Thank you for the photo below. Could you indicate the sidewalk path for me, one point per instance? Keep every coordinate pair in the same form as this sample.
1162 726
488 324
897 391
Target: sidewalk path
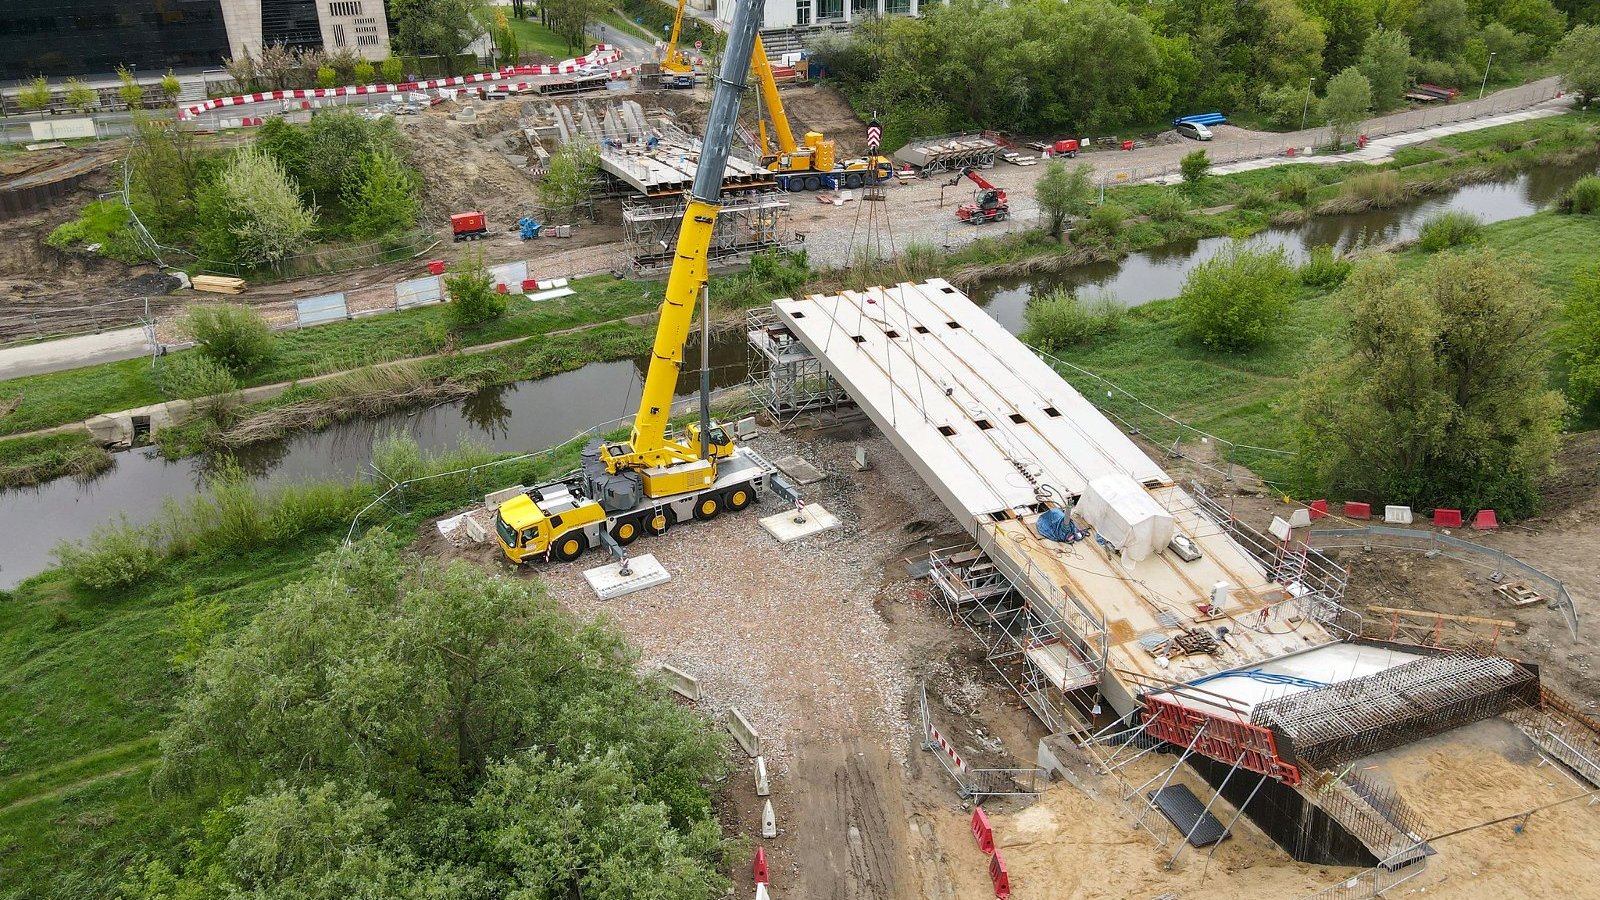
72 353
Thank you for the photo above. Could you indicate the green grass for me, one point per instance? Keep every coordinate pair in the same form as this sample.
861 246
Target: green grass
72 396
535 38
1517 133
615 19
38 459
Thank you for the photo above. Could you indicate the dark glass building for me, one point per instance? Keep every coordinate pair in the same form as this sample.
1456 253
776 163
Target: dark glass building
78 37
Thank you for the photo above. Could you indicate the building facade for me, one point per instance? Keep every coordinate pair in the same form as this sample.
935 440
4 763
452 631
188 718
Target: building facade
808 13
94 37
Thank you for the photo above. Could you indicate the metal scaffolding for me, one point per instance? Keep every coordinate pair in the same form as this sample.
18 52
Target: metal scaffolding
1351 719
785 378
746 224
1026 643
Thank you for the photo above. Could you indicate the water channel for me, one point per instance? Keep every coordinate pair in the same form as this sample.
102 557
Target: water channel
533 414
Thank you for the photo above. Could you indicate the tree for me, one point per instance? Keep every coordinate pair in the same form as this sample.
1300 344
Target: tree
1288 106
244 72
471 289
165 175
440 28
1064 194
1232 300
1577 58
569 179
364 73
1538 19
1384 61
384 199
569 18
1442 399
1195 165
131 91
290 145
171 87
35 95
231 335
393 70
1580 337
1346 104
81 96
1348 25
253 214
1439 28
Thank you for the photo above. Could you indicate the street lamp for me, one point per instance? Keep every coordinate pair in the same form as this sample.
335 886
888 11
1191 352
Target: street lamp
1485 85
1307 105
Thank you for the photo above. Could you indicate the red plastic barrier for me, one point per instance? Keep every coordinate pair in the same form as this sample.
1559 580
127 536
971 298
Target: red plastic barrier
981 832
998 875
1447 518
1290 152
1319 509
435 267
1127 145
1354 510
1485 520
529 285
501 288
761 866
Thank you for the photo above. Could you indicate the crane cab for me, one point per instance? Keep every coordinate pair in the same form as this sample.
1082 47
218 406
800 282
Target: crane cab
550 520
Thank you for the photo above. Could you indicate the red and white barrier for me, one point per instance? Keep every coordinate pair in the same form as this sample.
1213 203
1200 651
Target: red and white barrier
981 832
759 869
938 739
601 55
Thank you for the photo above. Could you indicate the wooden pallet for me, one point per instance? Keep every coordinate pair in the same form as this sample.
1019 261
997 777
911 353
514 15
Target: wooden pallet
1519 595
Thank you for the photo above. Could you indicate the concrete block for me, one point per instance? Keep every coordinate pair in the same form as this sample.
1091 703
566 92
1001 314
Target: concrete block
761 892
492 501
744 732
860 461
1300 518
608 582
769 821
1397 515
475 531
763 784
783 526
682 683
799 470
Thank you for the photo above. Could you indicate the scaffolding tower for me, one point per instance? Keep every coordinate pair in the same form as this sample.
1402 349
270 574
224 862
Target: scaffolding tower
1028 644
746 224
785 378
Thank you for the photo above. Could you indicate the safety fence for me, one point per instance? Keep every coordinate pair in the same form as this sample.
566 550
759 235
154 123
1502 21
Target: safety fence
1308 141
972 782
1501 565
1373 882
31 325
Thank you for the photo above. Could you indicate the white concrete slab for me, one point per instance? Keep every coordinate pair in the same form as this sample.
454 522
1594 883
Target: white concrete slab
799 470
784 527
608 582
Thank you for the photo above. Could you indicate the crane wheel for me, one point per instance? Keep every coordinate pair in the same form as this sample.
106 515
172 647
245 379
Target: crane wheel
625 532
707 507
570 546
852 180
739 497
660 521
813 183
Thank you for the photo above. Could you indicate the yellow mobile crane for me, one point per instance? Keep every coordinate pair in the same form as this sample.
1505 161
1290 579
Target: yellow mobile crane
812 166
652 481
675 62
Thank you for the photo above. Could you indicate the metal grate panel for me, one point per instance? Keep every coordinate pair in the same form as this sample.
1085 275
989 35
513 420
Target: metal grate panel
1185 811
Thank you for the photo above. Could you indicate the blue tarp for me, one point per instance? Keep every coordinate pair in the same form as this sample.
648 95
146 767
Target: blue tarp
1054 525
1202 119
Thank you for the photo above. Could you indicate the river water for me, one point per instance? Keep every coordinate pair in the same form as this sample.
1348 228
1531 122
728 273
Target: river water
534 414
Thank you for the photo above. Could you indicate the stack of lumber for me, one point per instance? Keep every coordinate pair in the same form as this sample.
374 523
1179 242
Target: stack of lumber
217 284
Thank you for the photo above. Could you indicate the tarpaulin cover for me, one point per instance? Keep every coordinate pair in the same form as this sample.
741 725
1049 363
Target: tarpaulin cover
1125 514
1053 525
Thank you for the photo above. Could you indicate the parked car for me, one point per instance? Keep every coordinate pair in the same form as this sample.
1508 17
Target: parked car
590 69
1194 131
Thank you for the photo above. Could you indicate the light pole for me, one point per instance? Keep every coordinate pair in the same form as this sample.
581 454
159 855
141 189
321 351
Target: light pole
1485 85
1307 105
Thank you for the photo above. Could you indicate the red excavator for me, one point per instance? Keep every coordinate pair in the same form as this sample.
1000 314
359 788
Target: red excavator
988 205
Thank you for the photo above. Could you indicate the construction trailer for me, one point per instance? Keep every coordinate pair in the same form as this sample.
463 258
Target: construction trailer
1161 620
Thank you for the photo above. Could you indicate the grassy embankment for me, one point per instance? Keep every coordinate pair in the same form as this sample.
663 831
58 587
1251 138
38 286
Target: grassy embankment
1241 204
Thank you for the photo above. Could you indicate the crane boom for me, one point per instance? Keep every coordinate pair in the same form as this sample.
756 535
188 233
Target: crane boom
977 179
649 446
771 99
674 60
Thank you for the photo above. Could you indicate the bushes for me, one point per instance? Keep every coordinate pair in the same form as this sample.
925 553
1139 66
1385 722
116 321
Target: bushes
1060 319
1195 165
117 555
232 335
193 376
1583 197
104 223
1104 223
1324 268
1379 189
1449 229
1230 302
1296 186
1169 207
1254 198
473 298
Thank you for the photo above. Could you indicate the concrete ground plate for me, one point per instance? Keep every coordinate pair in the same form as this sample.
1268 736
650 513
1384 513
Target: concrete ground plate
798 469
609 583
783 526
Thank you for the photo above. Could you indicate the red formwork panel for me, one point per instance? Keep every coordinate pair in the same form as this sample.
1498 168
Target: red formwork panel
1226 739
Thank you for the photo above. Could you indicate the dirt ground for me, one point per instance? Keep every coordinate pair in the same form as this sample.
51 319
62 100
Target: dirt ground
824 645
